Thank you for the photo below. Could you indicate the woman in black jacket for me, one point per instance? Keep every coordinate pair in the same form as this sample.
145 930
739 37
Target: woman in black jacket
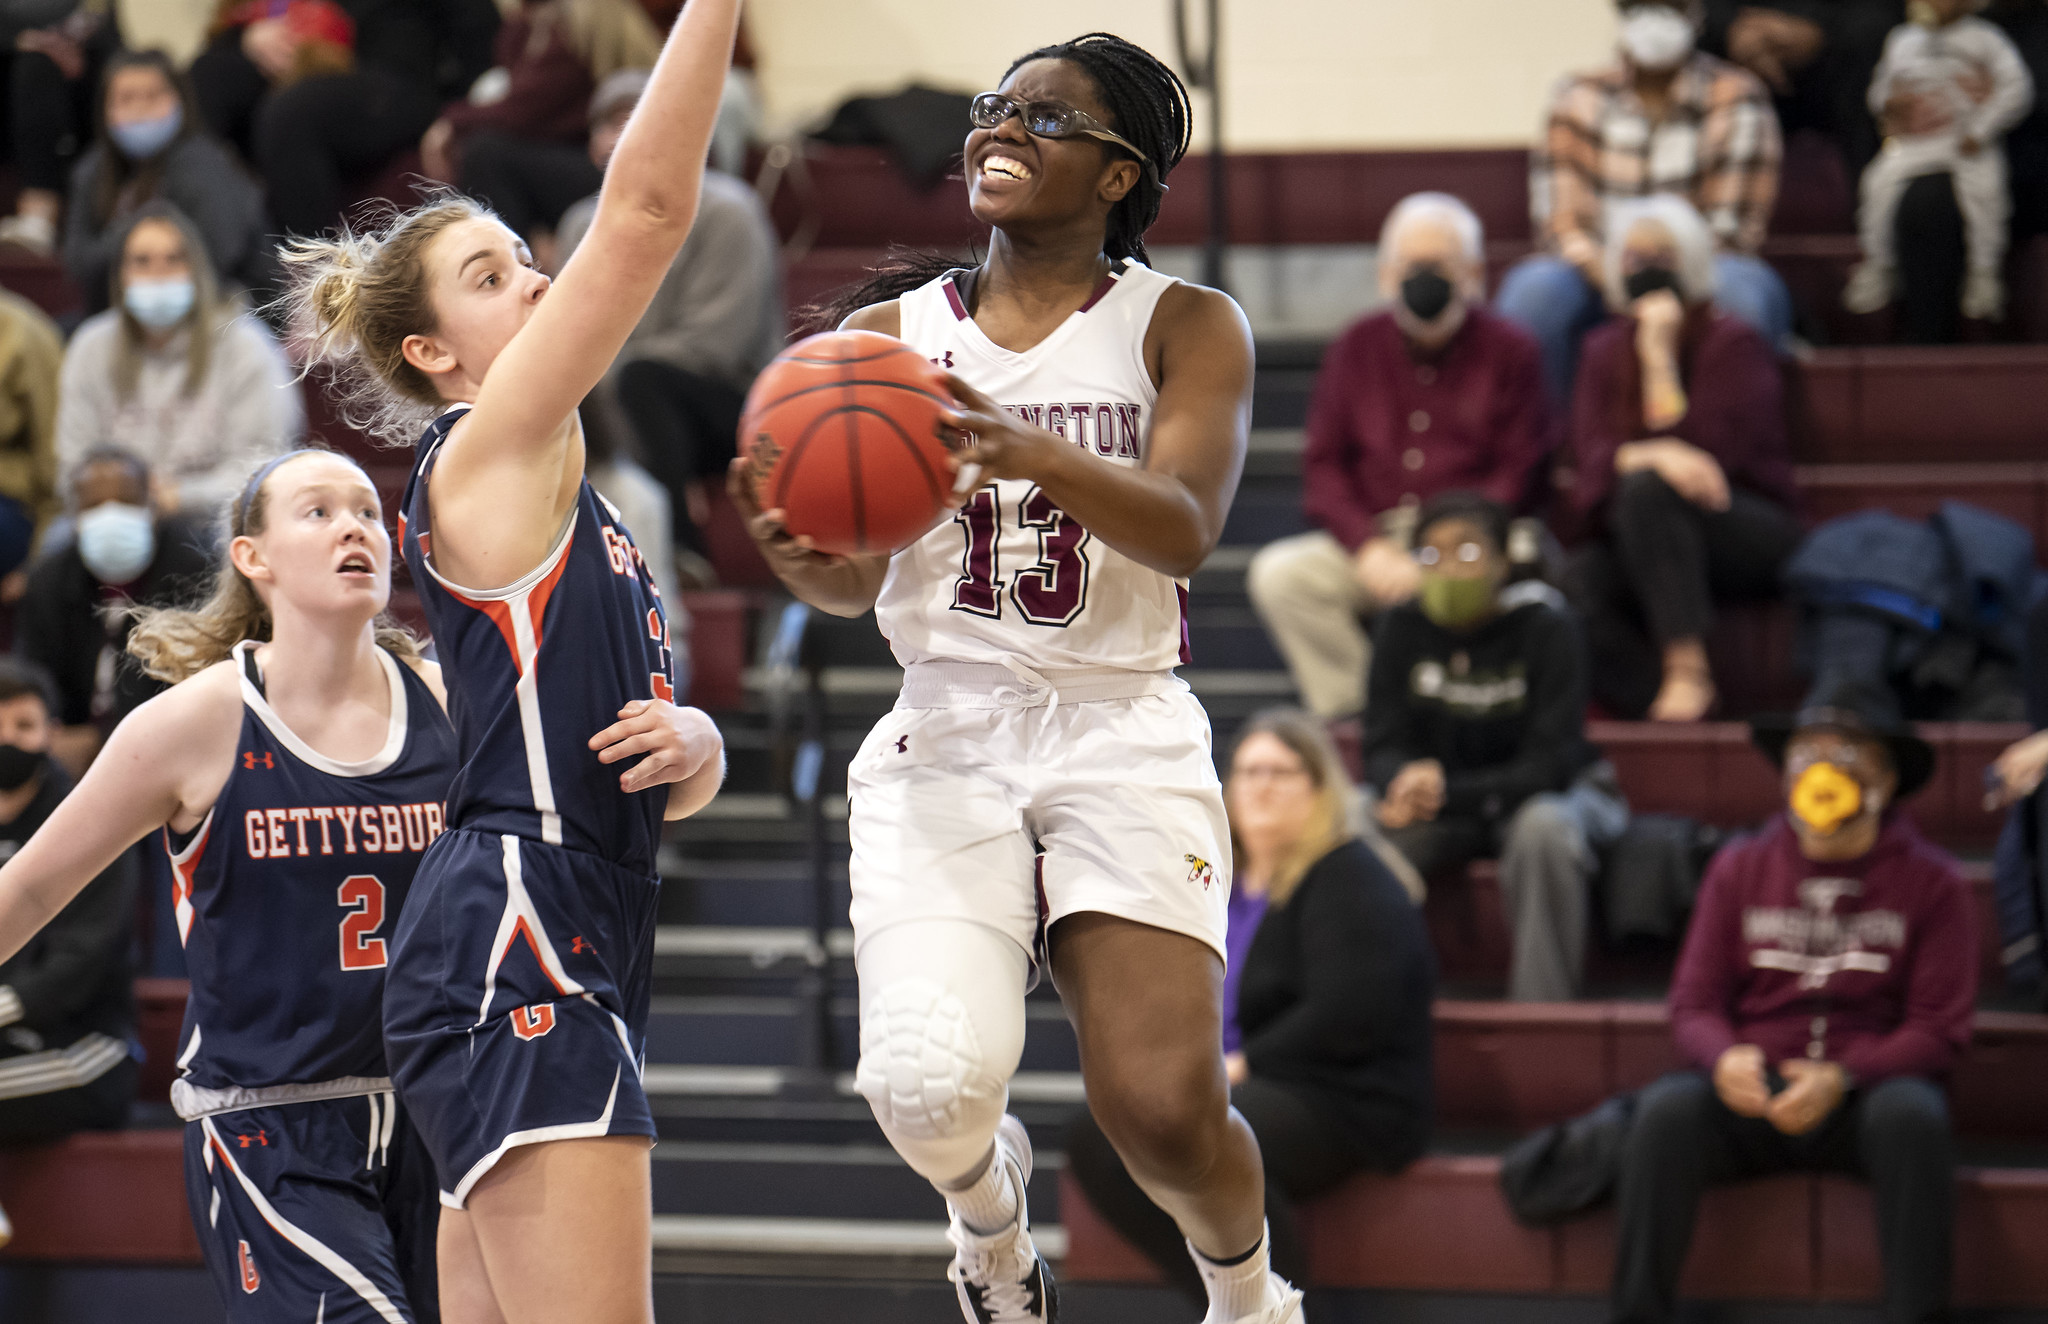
1326 1002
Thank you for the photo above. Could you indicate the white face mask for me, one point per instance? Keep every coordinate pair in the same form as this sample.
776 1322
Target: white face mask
117 541
1656 37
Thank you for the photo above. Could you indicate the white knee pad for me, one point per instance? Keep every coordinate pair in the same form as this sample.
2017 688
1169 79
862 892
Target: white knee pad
922 1068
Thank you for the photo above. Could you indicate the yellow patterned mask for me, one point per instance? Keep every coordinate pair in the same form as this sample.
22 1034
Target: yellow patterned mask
1825 797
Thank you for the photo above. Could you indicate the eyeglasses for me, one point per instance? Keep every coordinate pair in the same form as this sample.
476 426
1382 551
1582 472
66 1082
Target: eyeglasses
1053 119
1471 553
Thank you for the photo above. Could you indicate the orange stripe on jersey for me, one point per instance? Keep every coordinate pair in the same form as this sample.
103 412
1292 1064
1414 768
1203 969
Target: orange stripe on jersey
533 944
538 596
184 872
501 616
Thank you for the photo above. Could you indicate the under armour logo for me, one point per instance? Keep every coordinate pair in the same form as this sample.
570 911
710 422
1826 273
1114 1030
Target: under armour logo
903 744
260 1138
250 761
946 360
579 945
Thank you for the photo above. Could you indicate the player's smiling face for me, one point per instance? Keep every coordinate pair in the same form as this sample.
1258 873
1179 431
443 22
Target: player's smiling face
485 287
323 546
1016 178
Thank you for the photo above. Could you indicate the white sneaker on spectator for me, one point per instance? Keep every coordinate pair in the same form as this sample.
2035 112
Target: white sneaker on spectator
34 234
1870 288
1984 296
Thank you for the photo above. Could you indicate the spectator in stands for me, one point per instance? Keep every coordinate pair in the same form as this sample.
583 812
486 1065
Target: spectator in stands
151 145
1326 1002
1949 87
1681 464
177 374
122 554
323 93
1825 989
520 142
66 1005
1665 119
31 355
1475 740
1436 393
56 50
716 321
1816 56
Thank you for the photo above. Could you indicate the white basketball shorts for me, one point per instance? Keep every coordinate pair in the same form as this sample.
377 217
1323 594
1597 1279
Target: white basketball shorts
1013 803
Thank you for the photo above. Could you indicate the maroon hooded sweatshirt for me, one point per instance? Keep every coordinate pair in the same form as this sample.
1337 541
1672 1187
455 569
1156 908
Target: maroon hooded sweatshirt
1870 963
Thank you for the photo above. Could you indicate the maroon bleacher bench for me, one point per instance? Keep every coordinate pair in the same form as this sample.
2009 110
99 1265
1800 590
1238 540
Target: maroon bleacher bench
1442 1226
113 1197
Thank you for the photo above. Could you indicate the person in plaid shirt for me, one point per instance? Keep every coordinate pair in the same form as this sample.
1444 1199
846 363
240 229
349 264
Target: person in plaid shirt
1667 118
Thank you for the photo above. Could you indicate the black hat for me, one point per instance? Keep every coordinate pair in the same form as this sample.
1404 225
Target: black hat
1854 707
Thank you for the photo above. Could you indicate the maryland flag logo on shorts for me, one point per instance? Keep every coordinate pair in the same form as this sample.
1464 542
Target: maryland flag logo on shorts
1200 871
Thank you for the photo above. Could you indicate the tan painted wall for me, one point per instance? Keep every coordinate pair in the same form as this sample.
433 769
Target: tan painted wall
1298 73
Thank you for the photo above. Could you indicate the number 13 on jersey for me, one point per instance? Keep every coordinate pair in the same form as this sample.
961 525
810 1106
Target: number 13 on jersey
1052 591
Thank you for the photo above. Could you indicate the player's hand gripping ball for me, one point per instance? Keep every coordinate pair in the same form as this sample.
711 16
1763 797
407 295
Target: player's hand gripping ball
843 433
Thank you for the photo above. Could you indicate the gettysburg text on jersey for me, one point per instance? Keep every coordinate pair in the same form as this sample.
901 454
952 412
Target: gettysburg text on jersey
278 834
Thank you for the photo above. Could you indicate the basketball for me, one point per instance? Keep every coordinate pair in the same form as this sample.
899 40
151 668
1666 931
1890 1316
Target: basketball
842 433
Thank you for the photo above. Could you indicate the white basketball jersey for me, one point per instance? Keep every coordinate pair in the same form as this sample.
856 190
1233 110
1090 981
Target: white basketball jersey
1010 576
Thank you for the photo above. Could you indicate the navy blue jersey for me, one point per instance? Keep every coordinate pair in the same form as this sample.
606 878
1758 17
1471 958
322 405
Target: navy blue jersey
287 895
535 670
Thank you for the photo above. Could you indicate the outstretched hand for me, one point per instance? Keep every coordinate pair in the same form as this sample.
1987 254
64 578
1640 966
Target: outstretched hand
1000 444
678 743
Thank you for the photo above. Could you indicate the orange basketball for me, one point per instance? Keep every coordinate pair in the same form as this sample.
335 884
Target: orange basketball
842 433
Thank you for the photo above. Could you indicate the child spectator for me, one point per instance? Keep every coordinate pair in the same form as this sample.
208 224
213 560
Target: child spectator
31 355
1666 118
55 50
1326 1002
176 374
1948 88
1475 740
1680 464
519 141
316 92
151 145
1437 392
66 1002
714 323
122 554
1825 990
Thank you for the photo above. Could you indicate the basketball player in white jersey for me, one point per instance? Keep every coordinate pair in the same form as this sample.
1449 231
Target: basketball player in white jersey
1045 777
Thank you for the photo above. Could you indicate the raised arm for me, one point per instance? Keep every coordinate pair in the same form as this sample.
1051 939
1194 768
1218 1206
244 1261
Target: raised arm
515 460
165 764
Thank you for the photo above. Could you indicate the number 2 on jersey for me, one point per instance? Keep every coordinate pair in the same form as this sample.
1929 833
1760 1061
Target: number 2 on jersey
362 895
1051 592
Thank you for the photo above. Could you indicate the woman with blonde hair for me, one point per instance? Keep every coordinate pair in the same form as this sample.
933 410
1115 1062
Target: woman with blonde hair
176 373
1326 1001
297 767
516 1010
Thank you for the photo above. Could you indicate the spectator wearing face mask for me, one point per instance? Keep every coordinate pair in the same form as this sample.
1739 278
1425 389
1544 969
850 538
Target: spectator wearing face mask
151 147
1680 464
1665 119
121 554
1432 394
715 322
66 1005
1475 740
1824 993
31 355
176 374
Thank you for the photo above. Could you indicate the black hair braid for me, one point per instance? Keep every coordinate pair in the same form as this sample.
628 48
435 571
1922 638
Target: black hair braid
1147 104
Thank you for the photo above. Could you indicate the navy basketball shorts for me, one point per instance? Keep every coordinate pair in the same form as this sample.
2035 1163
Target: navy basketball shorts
324 1210
515 1004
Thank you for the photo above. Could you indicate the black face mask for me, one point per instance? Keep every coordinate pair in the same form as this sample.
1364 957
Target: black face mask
1427 292
1649 280
17 765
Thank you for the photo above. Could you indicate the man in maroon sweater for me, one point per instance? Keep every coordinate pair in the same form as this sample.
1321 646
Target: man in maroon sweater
1824 992
1435 394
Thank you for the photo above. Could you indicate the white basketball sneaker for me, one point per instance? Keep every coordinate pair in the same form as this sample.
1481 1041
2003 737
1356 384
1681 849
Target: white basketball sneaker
1001 1278
1289 1310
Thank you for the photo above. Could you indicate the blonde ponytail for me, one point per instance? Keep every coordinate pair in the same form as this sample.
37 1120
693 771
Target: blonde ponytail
175 643
351 301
